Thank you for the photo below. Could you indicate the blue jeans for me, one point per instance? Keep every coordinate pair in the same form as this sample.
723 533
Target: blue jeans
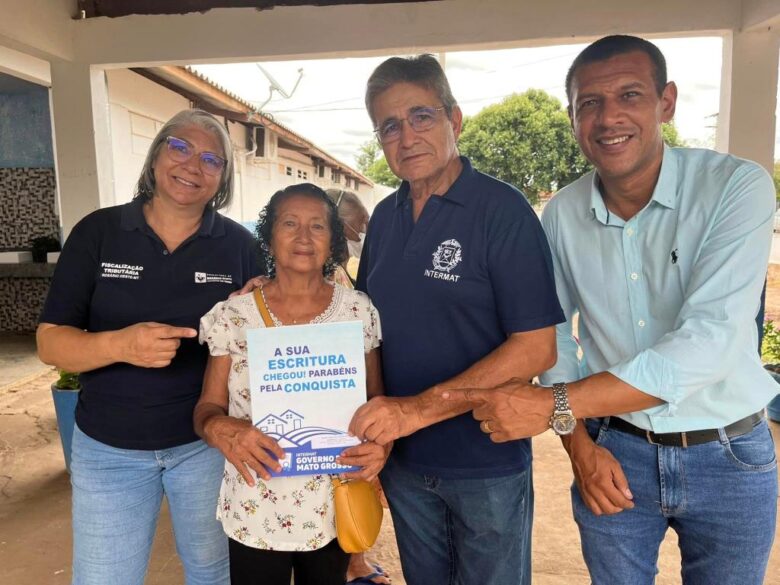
720 497
116 501
461 531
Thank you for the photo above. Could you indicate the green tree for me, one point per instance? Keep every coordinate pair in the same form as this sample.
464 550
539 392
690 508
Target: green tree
671 136
777 179
525 140
371 162
368 153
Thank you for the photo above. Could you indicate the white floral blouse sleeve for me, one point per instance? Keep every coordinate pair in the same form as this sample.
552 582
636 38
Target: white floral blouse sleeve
372 327
376 326
215 330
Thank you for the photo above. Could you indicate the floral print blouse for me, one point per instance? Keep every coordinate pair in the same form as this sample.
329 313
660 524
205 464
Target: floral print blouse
284 513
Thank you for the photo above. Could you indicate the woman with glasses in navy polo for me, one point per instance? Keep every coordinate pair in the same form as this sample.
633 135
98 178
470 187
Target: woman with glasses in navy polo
129 289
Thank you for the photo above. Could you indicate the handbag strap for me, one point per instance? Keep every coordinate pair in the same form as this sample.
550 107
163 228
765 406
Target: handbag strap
262 307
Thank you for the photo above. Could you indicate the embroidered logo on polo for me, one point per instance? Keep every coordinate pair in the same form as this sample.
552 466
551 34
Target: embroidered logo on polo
120 271
446 257
205 277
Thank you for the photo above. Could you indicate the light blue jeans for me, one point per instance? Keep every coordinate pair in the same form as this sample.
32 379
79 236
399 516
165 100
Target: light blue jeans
461 531
116 501
720 497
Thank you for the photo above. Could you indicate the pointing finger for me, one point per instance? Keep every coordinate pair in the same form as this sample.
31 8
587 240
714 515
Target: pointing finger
170 332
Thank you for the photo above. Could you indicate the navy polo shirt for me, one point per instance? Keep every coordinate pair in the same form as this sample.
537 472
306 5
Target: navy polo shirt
450 288
114 272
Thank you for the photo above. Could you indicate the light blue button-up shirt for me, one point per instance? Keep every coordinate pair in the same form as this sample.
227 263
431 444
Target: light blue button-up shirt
667 300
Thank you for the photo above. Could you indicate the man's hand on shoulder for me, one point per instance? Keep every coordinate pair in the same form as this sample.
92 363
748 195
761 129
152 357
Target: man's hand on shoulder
250 286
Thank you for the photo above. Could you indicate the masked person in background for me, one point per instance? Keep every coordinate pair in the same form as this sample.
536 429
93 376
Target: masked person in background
355 216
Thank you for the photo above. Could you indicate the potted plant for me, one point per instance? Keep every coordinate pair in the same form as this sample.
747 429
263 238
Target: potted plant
42 245
65 392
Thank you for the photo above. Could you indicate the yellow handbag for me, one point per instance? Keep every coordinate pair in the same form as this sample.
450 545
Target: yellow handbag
358 514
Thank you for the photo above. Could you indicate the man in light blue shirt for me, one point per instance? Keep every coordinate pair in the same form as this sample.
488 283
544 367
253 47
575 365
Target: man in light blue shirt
661 253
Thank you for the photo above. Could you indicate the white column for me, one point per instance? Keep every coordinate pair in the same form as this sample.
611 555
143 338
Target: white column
748 95
82 141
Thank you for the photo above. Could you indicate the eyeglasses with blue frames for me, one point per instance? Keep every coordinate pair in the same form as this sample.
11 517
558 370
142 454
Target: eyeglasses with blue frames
181 151
419 119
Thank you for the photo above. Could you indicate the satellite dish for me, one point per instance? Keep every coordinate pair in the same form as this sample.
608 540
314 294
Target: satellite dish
276 86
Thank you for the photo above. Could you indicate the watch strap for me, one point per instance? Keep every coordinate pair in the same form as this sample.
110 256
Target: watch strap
561 398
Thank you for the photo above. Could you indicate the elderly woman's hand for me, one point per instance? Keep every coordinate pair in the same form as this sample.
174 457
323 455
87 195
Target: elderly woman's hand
369 456
244 446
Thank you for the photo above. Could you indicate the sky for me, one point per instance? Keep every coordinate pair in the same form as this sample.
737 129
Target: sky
327 106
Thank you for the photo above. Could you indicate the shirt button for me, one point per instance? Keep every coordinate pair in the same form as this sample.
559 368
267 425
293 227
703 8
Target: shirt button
165 252
630 231
641 323
634 276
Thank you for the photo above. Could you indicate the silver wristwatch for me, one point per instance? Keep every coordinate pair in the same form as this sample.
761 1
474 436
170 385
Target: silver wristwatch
562 420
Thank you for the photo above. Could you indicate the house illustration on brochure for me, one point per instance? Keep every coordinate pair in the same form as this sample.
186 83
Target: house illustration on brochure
288 428
280 425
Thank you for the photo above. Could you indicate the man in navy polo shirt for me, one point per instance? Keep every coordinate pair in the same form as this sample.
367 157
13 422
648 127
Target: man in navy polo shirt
459 267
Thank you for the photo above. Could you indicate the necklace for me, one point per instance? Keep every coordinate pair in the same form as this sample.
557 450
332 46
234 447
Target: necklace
334 299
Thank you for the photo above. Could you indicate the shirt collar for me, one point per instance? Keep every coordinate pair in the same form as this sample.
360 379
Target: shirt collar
133 219
458 192
665 192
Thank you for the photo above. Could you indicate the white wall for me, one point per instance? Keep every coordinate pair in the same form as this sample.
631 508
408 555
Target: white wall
139 107
760 13
41 28
746 120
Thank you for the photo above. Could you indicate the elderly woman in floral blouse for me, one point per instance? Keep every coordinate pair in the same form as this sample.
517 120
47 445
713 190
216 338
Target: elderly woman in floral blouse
285 523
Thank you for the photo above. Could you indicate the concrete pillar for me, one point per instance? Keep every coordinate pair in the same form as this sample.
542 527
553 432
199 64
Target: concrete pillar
82 141
748 95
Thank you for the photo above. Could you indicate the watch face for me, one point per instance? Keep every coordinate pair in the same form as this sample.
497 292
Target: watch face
563 424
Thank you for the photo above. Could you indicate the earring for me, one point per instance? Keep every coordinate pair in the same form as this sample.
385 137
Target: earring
330 266
270 265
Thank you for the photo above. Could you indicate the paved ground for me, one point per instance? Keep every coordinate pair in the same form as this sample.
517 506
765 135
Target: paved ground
35 537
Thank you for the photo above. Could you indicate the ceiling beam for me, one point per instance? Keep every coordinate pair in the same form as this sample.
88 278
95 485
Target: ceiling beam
119 8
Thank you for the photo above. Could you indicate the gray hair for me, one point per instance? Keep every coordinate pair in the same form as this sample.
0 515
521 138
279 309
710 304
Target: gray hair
422 70
146 183
343 199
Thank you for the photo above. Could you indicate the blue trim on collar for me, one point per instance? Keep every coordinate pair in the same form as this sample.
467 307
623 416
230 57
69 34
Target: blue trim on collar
457 193
212 224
